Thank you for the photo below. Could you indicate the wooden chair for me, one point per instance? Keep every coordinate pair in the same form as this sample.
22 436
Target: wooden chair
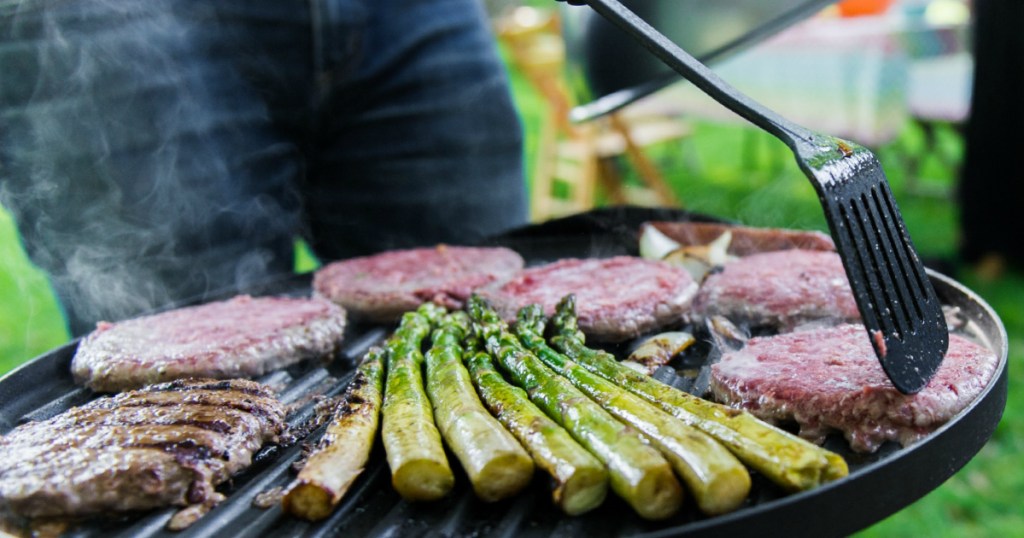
572 160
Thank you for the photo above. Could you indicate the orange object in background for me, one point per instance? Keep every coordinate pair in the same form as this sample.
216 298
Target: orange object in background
854 8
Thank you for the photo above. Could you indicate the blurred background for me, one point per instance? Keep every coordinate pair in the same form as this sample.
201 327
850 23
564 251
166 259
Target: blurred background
909 79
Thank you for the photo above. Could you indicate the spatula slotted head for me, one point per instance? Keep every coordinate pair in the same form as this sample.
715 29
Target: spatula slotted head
897 303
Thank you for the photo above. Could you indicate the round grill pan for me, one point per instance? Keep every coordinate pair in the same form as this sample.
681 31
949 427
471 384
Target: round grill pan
878 485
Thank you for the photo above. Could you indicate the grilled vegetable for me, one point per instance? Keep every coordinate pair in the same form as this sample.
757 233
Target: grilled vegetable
655 245
419 468
786 459
497 465
581 481
658 350
342 452
718 481
638 473
698 259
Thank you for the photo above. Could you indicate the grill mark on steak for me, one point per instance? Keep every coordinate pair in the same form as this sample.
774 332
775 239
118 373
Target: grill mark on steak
207 417
829 380
268 410
381 287
239 385
159 446
168 438
40 459
240 337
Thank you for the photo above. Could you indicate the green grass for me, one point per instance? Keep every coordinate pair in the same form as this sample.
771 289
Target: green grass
30 319
736 173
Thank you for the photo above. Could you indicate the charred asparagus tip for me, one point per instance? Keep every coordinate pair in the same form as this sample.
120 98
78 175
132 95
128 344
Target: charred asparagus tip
531 317
567 303
565 318
412 323
476 306
455 324
431 311
488 323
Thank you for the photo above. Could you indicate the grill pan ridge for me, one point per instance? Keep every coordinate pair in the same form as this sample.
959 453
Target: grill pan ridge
878 485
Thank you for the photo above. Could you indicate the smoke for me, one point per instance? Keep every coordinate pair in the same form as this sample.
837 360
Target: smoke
139 164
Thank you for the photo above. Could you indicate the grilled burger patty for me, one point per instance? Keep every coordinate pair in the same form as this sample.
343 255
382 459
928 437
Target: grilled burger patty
617 298
782 289
167 444
383 286
240 337
829 379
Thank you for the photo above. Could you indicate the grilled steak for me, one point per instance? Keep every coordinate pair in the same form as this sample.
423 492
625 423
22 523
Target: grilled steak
829 379
241 337
383 286
617 298
781 289
163 445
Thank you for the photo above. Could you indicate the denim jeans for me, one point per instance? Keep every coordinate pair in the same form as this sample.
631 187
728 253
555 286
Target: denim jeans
154 151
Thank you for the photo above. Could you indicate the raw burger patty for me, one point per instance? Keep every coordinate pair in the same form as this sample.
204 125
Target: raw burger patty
829 379
240 337
167 444
782 289
383 286
616 298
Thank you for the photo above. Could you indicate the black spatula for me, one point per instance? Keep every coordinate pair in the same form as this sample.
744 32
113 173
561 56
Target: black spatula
899 308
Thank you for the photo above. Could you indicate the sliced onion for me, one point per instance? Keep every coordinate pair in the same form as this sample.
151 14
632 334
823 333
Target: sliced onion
694 262
725 333
718 250
636 366
699 260
654 245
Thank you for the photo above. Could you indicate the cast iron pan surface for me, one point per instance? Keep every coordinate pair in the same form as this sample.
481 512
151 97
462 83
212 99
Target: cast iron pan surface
878 485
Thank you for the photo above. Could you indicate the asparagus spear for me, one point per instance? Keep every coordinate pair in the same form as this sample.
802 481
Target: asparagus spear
791 462
581 481
497 465
638 473
342 452
419 468
718 481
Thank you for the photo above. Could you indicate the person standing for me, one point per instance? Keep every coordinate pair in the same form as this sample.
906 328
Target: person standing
160 151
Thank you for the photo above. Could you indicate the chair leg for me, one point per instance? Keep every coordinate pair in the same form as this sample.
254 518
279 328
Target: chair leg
649 173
